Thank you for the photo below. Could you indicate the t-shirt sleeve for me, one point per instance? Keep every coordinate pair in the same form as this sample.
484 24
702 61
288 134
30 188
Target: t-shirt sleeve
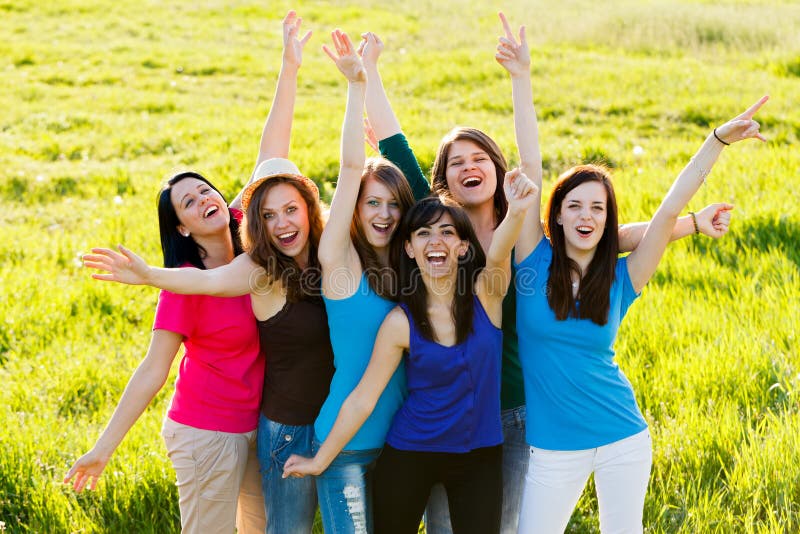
532 272
174 313
629 294
397 150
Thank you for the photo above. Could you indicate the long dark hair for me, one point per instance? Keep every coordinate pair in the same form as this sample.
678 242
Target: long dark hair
595 284
299 283
487 144
177 248
413 292
381 278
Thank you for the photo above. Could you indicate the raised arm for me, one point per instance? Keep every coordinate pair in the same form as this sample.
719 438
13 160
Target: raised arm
514 55
643 261
239 277
392 339
277 130
493 281
147 380
391 141
336 250
712 221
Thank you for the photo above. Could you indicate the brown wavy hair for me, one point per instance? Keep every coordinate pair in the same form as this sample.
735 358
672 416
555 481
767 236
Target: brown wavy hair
381 278
299 283
413 292
487 144
595 284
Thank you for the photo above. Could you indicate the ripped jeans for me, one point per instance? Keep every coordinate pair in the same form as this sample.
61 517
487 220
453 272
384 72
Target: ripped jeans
344 491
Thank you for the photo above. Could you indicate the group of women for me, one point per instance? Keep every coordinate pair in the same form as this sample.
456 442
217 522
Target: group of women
391 350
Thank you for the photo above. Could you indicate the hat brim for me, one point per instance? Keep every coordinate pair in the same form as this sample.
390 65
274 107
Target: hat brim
247 194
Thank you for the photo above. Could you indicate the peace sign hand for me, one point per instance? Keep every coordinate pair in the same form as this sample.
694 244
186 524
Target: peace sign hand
513 55
742 126
345 58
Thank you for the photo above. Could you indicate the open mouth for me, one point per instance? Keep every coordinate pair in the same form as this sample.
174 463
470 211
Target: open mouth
287 238
472 181
381 228
211 210
435 258
584 231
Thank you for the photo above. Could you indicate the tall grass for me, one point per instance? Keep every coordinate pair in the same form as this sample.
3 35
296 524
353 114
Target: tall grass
102 100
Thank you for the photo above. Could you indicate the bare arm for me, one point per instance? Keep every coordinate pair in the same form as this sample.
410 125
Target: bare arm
643 261
713 221
276 134
514 56
239 277
147 380
388 352
336 249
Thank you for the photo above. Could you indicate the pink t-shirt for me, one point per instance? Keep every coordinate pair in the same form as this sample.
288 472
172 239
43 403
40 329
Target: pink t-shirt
222 372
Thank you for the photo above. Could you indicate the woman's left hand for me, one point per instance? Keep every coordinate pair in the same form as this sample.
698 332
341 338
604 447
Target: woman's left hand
299 466
346 59
742 126
513 55
714 219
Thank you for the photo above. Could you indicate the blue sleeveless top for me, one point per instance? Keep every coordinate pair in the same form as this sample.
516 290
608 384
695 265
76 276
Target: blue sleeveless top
354 322
453 400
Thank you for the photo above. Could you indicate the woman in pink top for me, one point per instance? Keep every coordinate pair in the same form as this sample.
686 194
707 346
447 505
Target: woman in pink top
210 426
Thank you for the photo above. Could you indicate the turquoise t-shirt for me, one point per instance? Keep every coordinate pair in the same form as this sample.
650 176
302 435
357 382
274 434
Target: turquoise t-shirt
354 323
577 396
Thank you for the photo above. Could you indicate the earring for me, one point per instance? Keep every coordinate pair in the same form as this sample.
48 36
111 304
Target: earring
185 234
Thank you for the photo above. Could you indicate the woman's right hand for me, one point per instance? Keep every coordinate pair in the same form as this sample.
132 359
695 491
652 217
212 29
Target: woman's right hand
86 469
345 58
292 46
299 466
513 55
126 268
370 49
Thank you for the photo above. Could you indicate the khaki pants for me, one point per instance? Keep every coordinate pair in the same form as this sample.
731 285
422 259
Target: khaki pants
217 473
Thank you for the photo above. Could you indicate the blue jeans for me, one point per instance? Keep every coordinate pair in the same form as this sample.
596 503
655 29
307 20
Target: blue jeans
516 454
344 490
289 503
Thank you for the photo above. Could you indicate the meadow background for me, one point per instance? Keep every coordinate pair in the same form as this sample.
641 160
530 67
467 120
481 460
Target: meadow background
102 100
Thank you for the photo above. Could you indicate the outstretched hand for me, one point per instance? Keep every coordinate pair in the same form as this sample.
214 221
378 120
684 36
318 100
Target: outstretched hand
714 219
292 46
370 49
513 54
299 466
742 126
126 268
345 58
520 191
86 470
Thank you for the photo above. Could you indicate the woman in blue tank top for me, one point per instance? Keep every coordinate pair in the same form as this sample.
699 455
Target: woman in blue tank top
448 430
572 294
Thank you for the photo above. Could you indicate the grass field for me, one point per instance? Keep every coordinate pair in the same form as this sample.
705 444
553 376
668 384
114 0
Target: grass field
101 100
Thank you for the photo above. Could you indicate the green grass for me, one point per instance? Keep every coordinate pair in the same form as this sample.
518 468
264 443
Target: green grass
102 100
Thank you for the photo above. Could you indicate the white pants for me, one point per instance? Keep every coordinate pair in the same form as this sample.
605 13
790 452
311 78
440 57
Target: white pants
556 479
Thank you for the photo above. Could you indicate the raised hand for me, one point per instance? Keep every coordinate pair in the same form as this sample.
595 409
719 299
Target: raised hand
126 268
345 58
742 126
299 466
513 54
714 219
86 469
370 49
520 191
292 46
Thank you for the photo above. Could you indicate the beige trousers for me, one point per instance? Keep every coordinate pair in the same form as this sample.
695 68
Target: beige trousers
219 486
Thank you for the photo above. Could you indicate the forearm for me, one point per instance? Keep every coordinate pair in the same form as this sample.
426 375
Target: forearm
504 239
352 149
193 281
379 109
691 178
276 135
630 235
526 128
352 415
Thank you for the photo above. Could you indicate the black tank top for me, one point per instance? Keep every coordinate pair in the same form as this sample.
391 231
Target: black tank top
297 349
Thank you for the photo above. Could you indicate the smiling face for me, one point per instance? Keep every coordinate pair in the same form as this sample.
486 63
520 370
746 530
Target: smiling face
436 247
378 212
200 208
583 216
471 174
285 214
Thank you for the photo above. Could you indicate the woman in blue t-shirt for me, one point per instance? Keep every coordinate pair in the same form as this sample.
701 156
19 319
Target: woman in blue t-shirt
448 430
572 293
